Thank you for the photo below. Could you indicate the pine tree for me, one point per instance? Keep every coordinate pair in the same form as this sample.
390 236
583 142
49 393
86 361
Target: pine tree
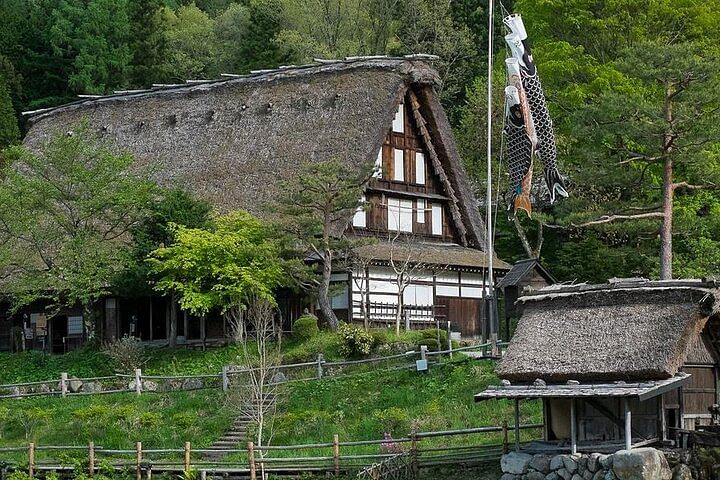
148 41
9 131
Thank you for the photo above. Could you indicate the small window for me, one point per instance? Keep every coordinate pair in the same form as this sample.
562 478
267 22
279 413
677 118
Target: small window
436 219
377 172
339 301
400 217
360 218
75 326
399 121
420 168
421 211
399 166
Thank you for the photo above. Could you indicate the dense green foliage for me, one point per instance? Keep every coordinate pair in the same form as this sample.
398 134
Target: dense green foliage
227 265
305 327
66 210
602 66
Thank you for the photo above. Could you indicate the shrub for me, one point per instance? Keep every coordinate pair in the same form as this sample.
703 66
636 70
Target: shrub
127 353
429 337
18 475
306 327
355 341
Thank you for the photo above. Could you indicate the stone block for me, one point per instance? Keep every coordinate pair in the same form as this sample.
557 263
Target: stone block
75 385
641 464
515 463
593 462
540 463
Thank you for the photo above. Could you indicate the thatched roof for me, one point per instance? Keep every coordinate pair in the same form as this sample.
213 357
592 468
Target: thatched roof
232 140
621 331
443 254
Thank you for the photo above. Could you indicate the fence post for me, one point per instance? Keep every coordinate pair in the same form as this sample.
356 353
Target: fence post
31 459
63 383
225 379
494 340
91 458
251 460
138 460
138 381
506 446
406 314
186 457
320 361
413 453
336 454
423 352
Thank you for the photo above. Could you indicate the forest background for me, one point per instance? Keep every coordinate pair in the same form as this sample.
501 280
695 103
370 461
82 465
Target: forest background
631 84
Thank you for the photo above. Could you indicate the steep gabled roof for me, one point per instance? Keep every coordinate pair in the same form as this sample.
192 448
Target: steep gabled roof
639 330
232 140
521 269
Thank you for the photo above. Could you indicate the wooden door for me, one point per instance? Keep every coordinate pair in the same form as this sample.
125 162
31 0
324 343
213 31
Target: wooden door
463 314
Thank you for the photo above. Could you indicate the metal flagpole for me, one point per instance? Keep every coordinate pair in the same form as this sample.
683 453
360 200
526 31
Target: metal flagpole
491 308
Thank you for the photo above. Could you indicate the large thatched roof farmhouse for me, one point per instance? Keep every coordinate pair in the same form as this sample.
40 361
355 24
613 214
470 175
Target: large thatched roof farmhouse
630 355
232 140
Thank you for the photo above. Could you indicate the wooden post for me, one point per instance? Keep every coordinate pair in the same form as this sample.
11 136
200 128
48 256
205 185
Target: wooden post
225 379
506 447
148 475
413 452
573 427
494 348
251 460
336 454
186 458
91 458
138 381
423 352
63 383
31 460
406 314
628 424
138 460
517 425
320 361
449 333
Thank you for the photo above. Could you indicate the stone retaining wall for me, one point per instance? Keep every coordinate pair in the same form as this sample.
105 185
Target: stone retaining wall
635 464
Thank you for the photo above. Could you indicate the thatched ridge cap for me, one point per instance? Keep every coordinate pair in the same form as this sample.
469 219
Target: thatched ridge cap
615 286
415 67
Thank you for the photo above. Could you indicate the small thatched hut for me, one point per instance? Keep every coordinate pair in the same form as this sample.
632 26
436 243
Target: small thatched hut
636 356
231 141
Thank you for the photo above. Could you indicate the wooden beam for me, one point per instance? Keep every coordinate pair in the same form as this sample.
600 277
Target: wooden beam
628 424
608 414
573 427
517 425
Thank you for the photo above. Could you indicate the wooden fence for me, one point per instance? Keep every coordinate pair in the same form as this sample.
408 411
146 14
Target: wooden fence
140 383
366 456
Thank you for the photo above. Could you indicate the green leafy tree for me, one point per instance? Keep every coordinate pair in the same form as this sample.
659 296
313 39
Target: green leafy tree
314 209
171 208
225 267
190 42
95 35
66 210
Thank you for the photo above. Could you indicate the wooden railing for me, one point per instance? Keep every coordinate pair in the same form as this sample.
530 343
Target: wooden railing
140 383
413 452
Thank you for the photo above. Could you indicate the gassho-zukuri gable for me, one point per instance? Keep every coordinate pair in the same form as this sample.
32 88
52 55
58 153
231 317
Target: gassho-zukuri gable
232 141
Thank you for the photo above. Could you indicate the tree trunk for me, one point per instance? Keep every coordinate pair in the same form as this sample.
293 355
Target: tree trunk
398 311
89 321
668 190
324 292
172 334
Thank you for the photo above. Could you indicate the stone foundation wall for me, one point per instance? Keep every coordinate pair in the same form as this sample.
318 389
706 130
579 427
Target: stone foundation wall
636 464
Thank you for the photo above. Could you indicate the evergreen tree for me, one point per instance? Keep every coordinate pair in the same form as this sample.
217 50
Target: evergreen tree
148 41
9 131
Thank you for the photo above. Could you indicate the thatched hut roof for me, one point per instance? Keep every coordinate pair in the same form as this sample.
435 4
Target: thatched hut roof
639 330
232 140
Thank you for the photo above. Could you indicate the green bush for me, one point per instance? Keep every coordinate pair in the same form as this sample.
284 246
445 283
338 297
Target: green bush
429 337
355 341
306 327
